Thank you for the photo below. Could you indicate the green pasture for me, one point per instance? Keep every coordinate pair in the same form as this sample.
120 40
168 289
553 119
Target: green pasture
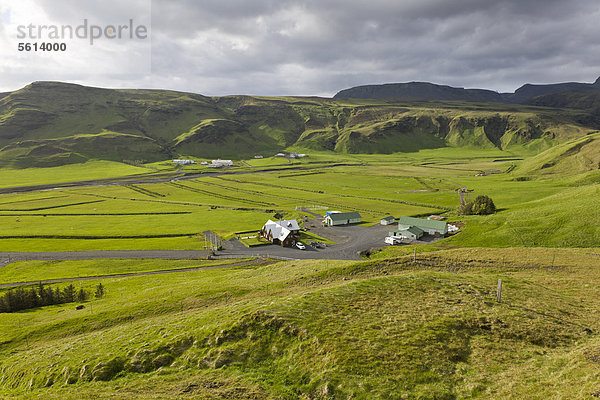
68 173
565 219
372 330
532 212
254 241
195 242
27 271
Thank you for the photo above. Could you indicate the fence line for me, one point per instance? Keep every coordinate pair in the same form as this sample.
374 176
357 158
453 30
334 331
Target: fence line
218 256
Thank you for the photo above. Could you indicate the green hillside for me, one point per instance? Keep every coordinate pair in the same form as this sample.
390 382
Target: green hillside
569 158
418 321
390 329
49 124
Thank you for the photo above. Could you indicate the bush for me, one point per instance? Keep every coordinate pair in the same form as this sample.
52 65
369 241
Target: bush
483 205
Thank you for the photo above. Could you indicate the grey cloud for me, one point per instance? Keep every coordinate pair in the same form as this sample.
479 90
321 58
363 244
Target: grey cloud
105 11
321 46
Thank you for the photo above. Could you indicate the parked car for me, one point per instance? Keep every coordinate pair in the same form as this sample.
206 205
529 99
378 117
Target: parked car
300 245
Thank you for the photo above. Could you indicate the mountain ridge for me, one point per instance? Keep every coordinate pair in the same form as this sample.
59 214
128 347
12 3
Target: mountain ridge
426 91
53 123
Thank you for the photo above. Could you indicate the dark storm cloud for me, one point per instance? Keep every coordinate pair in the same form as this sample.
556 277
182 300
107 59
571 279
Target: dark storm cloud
309 47
251 47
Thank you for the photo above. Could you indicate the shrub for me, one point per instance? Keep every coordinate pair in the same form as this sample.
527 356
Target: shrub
482 205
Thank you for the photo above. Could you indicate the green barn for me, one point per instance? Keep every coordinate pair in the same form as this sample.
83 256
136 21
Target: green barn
408 232
335 219
428 226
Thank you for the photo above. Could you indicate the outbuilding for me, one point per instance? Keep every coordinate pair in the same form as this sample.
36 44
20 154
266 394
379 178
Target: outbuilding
408 232
184 162
430 227
335 219
221 163
388 220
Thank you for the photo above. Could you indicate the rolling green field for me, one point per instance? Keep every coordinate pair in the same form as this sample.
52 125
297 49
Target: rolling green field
28 271
385 328
68 173
309 329
533 211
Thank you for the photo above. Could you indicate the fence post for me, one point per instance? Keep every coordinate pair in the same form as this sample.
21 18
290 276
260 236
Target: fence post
499 291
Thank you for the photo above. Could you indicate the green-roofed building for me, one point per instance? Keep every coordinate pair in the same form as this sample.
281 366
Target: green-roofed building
428 226
343 218
408 232
388 220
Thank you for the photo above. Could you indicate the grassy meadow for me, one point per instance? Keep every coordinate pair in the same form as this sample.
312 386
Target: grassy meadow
385 328
536 211
97 169
309 329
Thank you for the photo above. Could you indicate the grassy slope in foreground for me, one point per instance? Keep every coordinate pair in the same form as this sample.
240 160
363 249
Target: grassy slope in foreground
372 330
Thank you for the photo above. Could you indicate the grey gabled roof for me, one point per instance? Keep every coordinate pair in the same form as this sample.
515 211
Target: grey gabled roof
343 216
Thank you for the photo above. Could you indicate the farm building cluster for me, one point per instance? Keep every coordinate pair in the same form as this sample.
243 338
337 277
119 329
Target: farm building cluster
410 228
291 155
286 233
213 164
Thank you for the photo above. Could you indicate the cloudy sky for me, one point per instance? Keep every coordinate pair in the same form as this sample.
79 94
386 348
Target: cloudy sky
303 47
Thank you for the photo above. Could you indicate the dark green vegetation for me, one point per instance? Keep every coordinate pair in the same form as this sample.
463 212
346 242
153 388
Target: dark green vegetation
370 330
482 205
50 124
20 299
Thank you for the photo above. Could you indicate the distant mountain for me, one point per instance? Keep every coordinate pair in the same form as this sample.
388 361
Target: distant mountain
418 91
423 91
527 92
52 123
585 100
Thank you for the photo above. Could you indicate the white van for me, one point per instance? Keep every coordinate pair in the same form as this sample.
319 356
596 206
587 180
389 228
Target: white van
393 240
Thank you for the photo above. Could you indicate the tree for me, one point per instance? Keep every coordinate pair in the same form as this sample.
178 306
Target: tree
99 291
24 299
482 205
69 294
82 295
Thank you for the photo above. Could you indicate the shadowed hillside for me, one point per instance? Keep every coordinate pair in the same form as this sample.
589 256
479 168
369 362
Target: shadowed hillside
424 91
418 91
50 124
